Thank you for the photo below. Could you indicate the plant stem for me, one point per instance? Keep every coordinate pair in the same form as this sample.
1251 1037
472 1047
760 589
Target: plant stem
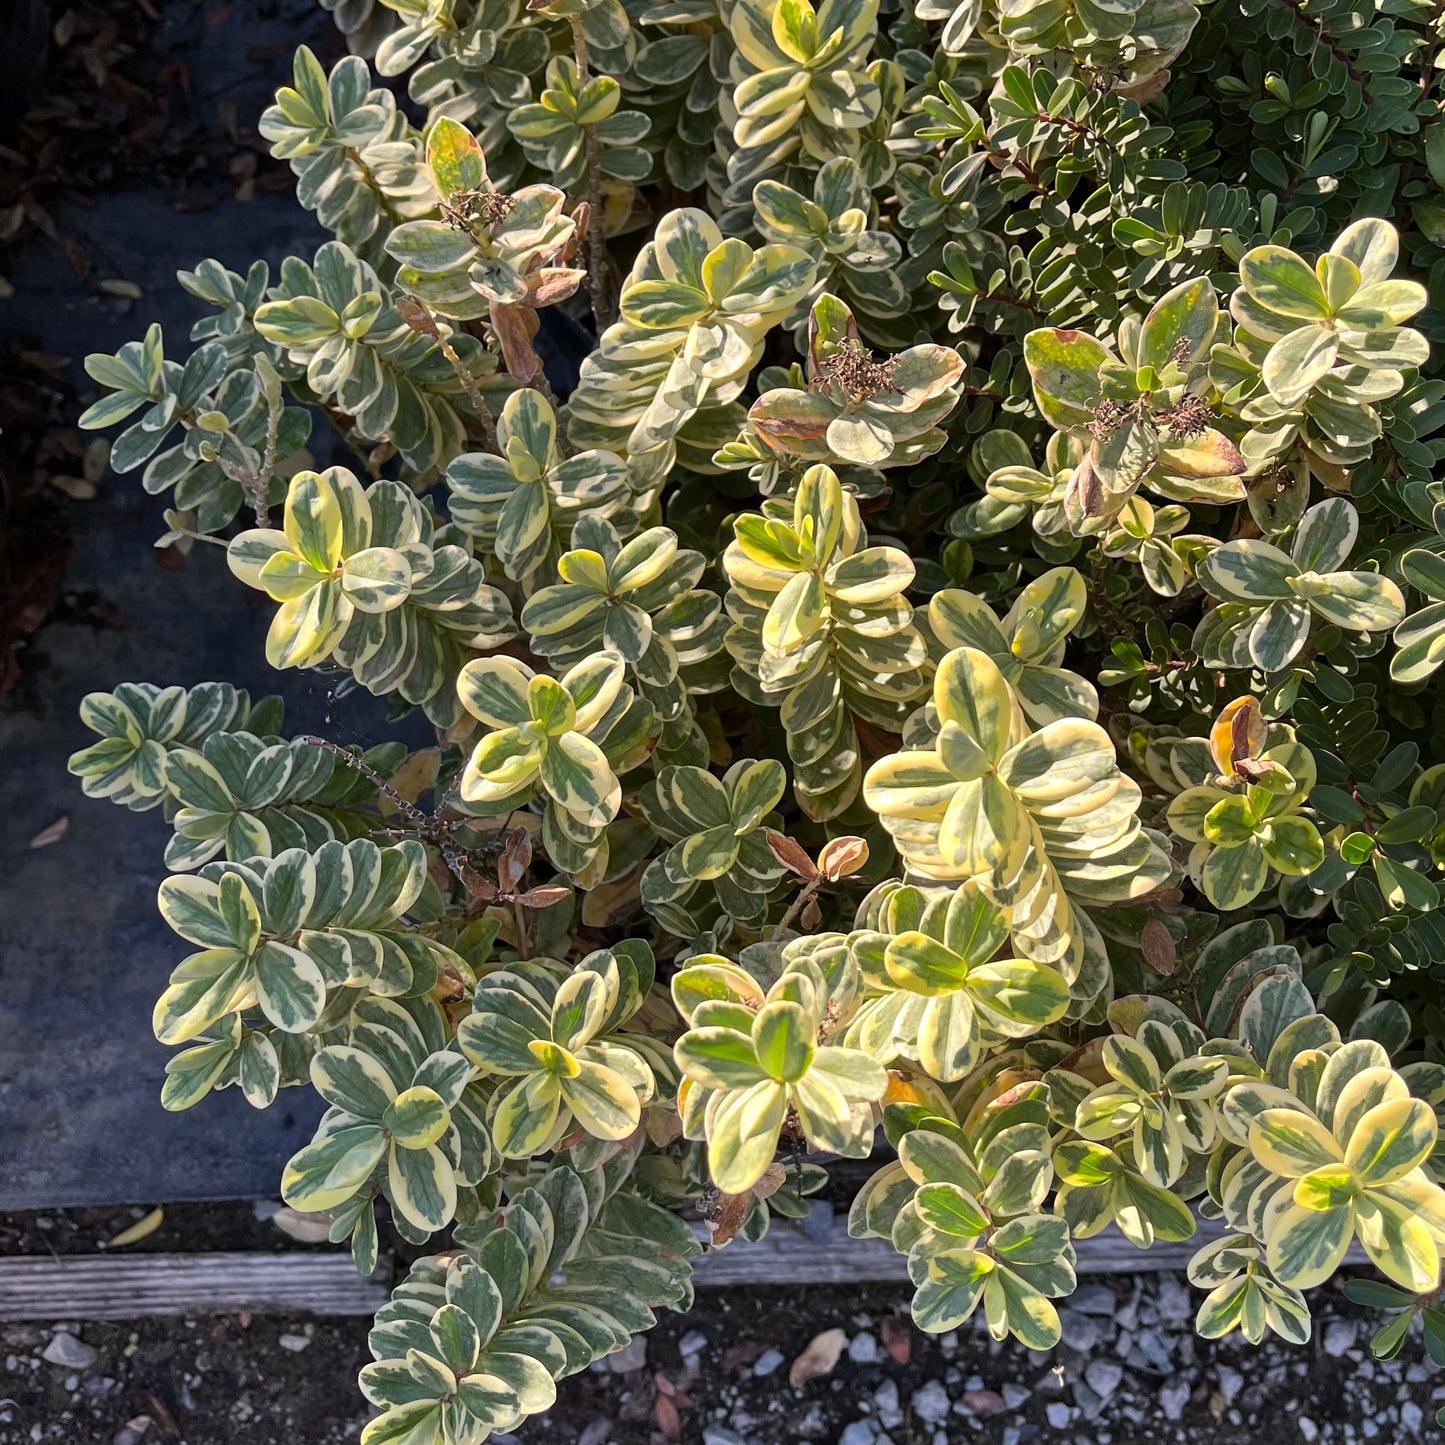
519 913
598 283
798 904
420 320
381 785
257 485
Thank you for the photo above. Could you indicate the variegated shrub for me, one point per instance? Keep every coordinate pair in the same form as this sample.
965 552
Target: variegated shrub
952 672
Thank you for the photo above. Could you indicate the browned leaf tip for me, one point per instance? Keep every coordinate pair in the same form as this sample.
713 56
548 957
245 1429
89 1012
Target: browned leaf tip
842 856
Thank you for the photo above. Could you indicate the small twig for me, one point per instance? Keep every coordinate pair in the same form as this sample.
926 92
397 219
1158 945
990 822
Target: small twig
519 913
798 904
420 320
598 287
370 774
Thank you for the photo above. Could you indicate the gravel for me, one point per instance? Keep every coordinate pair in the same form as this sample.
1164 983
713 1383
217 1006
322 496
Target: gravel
767 1363
1339 1337
69 1352
1103 1376
931 1403
863 1349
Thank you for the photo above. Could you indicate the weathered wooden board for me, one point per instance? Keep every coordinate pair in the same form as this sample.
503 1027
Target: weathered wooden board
127 1287
116 1287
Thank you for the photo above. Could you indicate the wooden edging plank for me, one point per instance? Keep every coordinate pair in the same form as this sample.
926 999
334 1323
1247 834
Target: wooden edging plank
786 1255
116 1287
125 1287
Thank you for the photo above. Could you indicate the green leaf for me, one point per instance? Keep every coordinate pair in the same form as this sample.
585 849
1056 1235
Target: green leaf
289 987
1064 367
1281 281
417 1117
454 158
782 1040
951 1210
1296 363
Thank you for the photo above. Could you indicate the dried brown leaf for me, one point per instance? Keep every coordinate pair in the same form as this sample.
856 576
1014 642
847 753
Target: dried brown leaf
547 896
515 859
818 1359
793 856
669 1422
898 1340
76 488
1157 945
984 1402
727 1215
53 834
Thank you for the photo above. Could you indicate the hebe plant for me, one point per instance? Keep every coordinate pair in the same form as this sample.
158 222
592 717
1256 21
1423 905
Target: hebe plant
958 663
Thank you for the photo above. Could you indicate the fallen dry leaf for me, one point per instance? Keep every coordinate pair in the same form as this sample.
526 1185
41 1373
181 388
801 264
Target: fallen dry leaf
818 1359
76 488
898 1340
668 1420
736 1356
303 1227
53 834
139 1230
97 459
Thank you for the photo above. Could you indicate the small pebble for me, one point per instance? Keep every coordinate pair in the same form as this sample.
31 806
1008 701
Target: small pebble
692 1343
931 1402
1339 1336
885 1401
294 1343
863 1349
860 1432
1094 1299
1103 1376
1173 1397
1309 1431
1174 1303
1058 1414
1412 1417
1015 1394
633 1356
717 1435
69 1352
767 1362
